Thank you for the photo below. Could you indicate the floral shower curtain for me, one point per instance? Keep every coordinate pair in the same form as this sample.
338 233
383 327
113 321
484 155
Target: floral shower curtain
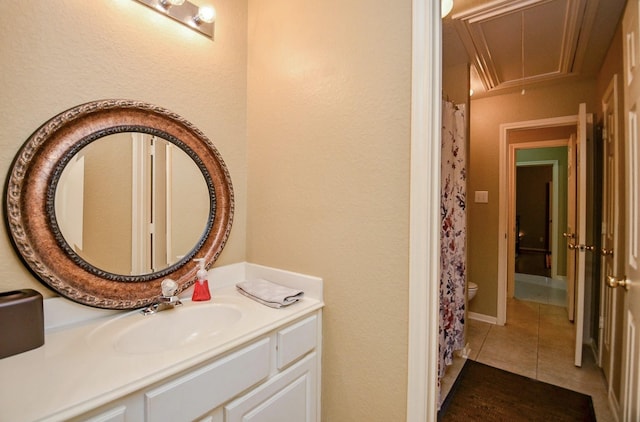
453 233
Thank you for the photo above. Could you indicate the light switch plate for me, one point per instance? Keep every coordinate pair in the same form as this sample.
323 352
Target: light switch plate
482 197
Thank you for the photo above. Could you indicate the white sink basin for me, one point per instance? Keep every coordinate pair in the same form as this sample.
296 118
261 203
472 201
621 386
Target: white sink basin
182 326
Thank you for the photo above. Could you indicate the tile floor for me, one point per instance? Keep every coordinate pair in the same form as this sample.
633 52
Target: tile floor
537 288
537 342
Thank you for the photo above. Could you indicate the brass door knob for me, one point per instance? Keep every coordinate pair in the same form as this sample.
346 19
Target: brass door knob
606 252
614 282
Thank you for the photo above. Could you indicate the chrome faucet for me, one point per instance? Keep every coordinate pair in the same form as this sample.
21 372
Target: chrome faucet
168 299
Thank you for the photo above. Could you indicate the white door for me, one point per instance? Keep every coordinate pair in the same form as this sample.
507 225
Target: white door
581 225
612 243
631 334
631 283
570 233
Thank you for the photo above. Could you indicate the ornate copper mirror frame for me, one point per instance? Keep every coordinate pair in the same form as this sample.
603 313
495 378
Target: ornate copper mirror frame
30 193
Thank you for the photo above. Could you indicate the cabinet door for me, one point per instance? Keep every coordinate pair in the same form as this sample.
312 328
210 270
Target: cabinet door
290 396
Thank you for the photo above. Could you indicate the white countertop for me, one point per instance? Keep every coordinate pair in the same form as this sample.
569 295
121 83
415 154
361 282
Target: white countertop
74 372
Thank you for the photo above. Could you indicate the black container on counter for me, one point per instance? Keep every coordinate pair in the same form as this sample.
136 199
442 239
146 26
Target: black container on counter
21 322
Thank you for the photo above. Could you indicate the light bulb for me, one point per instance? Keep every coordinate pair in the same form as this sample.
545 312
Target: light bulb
445 7
169 3
206 14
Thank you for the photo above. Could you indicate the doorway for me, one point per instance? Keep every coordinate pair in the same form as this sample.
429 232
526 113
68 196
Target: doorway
538 209
577 129
528 136
534 222
540 201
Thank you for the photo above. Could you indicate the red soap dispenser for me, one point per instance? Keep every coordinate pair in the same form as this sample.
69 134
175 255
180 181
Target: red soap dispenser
201 287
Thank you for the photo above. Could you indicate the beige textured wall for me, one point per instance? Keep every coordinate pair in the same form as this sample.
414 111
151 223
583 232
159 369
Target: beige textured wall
329 144
455 83
486 116
58 54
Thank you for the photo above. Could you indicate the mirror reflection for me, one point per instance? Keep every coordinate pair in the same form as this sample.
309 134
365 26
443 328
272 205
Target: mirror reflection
131 203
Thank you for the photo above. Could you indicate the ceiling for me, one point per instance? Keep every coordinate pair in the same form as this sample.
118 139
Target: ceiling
516 44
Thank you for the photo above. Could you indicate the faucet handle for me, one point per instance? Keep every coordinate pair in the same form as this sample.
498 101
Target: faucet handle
169 287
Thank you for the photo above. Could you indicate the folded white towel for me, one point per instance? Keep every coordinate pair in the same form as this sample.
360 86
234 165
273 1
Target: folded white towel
268 293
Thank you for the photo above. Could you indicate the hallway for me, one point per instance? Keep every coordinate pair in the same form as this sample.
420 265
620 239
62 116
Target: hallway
537 342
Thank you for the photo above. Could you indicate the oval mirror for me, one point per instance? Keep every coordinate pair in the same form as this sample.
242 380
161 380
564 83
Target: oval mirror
140 219
107 199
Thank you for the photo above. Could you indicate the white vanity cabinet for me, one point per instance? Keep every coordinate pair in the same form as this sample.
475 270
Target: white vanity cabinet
269 379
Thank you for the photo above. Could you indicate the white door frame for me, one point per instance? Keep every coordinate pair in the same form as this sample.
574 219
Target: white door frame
503 200
140 206
424 211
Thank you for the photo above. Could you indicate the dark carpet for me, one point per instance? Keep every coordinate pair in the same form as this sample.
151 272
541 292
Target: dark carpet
484 393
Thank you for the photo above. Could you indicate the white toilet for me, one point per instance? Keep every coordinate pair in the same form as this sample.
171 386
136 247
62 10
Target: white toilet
472 289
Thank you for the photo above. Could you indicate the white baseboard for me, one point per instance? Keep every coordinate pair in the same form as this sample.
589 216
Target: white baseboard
482 317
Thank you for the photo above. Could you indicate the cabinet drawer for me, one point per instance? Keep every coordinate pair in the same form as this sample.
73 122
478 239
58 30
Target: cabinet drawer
192 395
114 415
296 340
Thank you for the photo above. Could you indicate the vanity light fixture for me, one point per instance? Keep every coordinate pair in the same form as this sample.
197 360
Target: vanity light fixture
198 18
